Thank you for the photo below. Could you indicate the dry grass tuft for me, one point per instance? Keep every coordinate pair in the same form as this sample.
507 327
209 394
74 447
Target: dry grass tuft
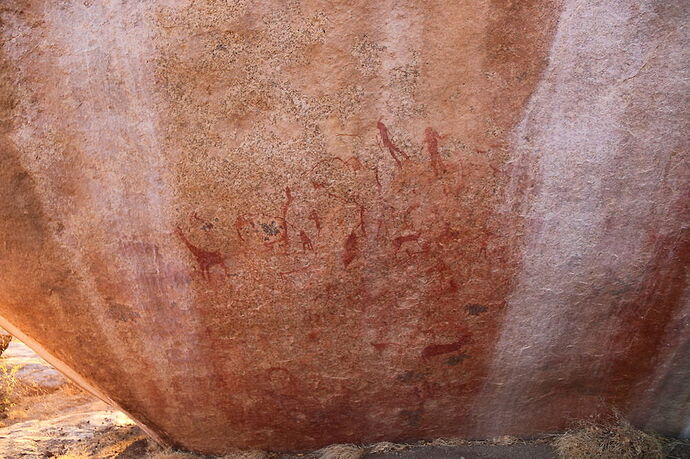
386 447
5 341
505 440
8 386
170 454
447 442
246 454
340 452
615 440
237 454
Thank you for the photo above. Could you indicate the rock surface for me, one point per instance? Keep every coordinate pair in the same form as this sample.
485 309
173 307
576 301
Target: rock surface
242 222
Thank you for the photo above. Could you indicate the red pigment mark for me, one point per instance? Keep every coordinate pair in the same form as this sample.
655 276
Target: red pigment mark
482 248
352 162
351 249
446 275
274 370
424 250
380 346
362 209
431 139
348 200
484 240
286 207
315 218
361 219
205 258
392 149
306 242
439 349
400 240
337 196
293 271
441 267
451 288
406 215
288 201
241 222
448 236
378 181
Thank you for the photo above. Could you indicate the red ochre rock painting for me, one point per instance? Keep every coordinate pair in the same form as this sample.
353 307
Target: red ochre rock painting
206 259
282 225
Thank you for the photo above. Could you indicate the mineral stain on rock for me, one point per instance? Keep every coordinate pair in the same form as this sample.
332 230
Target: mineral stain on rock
270 228
457 359
475 309
122 312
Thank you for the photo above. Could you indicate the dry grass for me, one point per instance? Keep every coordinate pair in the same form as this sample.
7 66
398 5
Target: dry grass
340 452
8 385
246 454
238 454
5 341
172 455
614 440
443 442
505 440
387 447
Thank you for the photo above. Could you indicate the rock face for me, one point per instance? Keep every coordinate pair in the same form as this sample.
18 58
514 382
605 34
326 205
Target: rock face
283 224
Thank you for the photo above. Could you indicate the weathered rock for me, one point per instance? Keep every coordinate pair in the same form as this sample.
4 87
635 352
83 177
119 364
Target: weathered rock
280 225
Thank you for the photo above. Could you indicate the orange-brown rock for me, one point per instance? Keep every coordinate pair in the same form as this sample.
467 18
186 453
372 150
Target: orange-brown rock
283 224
